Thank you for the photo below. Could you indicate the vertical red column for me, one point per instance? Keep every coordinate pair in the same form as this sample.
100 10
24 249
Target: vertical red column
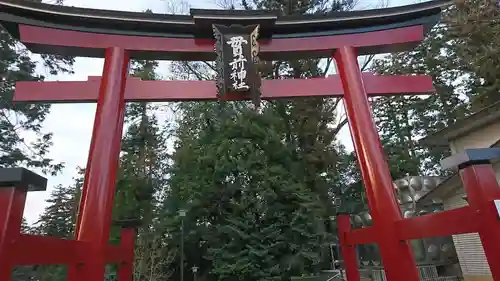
482 188
348 251
99 186
12 201
125 269
397 256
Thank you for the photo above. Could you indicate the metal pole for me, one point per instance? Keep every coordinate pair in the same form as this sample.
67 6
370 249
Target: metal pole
333 257
182 249
340 261
195 269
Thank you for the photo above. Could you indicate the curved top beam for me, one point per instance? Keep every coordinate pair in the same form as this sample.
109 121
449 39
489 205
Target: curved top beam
15 12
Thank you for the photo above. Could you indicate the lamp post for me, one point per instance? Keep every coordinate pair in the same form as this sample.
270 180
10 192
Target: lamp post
332 219
182 214
194 269
337 249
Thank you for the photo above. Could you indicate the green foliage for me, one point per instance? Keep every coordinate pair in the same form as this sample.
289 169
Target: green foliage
474 27
249 205
21 120
459 56
258 184
143 155
142 179
59 216
402 121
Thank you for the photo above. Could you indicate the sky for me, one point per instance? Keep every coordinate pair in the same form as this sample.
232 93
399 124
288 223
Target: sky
71 124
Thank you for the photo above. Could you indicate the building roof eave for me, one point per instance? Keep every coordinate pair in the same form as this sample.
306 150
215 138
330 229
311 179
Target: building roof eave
463 127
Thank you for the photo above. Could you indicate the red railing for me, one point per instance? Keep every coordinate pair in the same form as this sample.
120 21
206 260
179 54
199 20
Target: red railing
18 249
480 216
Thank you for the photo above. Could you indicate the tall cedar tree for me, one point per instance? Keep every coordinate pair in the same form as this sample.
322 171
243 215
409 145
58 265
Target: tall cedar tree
404 120
460 55
141 180
258 184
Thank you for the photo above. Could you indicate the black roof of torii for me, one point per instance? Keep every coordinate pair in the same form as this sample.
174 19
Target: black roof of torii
198 23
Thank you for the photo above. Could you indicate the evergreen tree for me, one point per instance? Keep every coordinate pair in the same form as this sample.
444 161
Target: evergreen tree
25 227
474 28
403 120
141 180
20 120
258 184
244 202
460 55
142 161
58 217
58 220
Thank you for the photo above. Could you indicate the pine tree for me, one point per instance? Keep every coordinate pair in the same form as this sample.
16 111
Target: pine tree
20 120
141 181
246 204
460 55
250 197
58 217
143 155
402 121
58 220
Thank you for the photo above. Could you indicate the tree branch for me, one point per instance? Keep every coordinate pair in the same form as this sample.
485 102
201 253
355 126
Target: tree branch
340 126
327 67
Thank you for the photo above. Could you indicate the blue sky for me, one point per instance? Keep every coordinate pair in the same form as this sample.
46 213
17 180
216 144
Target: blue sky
72 123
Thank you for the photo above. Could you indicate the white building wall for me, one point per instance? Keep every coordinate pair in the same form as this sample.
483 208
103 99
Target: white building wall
469 247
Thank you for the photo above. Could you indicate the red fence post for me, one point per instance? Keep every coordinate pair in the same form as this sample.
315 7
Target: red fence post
397 255
125 269
348 251
14 186
482 188
12 202
95 221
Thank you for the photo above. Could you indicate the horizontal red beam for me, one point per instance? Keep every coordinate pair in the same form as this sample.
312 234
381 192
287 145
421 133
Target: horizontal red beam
37 249
451 222
366 235
137 90
116 254
71 42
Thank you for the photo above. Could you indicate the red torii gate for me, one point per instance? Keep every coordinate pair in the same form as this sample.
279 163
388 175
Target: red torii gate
118 37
